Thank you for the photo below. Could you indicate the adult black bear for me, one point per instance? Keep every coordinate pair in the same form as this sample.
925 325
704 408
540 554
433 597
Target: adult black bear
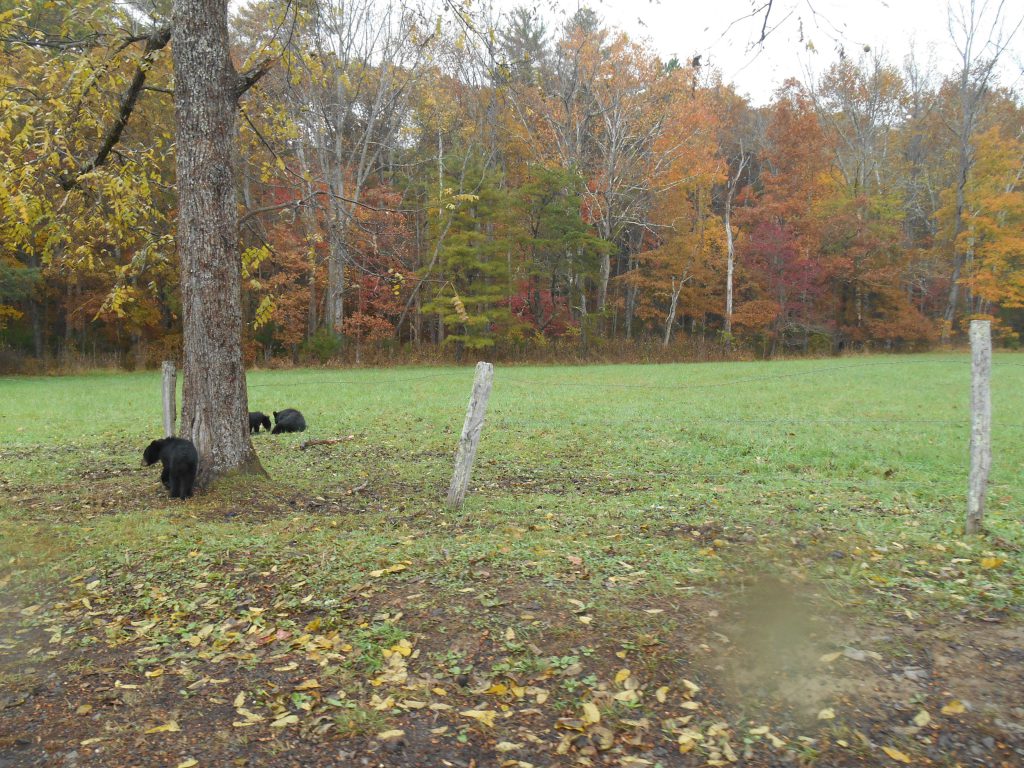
257 419
288 420
180 459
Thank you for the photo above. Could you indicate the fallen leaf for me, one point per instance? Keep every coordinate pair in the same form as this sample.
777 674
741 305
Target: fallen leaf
281 722
390 569
955 707
485 716
507 746
922 718
895 754
239 700
828 658
171 727
190 762
759 731
661 694
393 734
154 672
307 685
621 675
84 709
991 562
591 714
827 714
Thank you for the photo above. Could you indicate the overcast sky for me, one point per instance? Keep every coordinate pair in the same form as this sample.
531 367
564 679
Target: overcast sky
724 32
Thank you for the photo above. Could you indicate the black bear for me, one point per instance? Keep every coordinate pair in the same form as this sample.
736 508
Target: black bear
288 420
258 419
180 459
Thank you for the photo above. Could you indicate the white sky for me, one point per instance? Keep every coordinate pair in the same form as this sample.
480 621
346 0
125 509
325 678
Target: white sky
688 27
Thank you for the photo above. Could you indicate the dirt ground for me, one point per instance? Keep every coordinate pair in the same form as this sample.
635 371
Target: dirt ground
773 679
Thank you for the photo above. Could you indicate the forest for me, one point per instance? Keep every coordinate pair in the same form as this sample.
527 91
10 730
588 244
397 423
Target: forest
438 181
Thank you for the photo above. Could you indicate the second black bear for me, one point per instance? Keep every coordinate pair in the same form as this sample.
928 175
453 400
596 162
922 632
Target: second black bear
258 419
181 462
288 420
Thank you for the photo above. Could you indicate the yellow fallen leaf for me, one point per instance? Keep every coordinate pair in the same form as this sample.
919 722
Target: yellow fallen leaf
390 569
621 675
484 716
281 722
239 700
828 658
393 734
591 714
287 667
585 619
439 731
510 635
154 672
776 741
507 746
991 562
691 687
252 717
827 714
895 754
190 762
171 727
922 718
307 685
691 705
955 707
661 694
761 730
84 709
627 696
87 742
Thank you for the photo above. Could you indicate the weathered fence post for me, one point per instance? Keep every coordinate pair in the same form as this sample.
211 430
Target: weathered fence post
170 389
471 429
981 422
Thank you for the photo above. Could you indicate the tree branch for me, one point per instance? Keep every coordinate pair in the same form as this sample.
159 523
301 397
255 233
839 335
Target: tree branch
154 43
251 76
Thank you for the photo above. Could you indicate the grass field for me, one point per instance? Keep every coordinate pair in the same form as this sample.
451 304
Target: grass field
758 563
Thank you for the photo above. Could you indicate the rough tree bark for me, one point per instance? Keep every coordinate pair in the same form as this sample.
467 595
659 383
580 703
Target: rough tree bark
206 90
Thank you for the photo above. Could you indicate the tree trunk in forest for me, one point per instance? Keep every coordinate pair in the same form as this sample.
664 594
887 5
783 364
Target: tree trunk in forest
214 398
729 266
949 315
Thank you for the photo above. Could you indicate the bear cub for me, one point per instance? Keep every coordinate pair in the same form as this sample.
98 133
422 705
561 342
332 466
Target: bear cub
258 419
288 420
181 461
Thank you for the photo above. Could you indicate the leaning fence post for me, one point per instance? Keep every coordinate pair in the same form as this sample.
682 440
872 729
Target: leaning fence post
170 397
471 429
981 422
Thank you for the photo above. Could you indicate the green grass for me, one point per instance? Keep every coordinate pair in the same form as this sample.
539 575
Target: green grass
873 447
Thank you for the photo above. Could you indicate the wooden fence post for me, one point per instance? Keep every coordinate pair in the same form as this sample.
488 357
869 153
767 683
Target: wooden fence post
981 423
471 429
170 389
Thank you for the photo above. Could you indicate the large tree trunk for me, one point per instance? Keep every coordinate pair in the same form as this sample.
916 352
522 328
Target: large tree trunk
206 87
